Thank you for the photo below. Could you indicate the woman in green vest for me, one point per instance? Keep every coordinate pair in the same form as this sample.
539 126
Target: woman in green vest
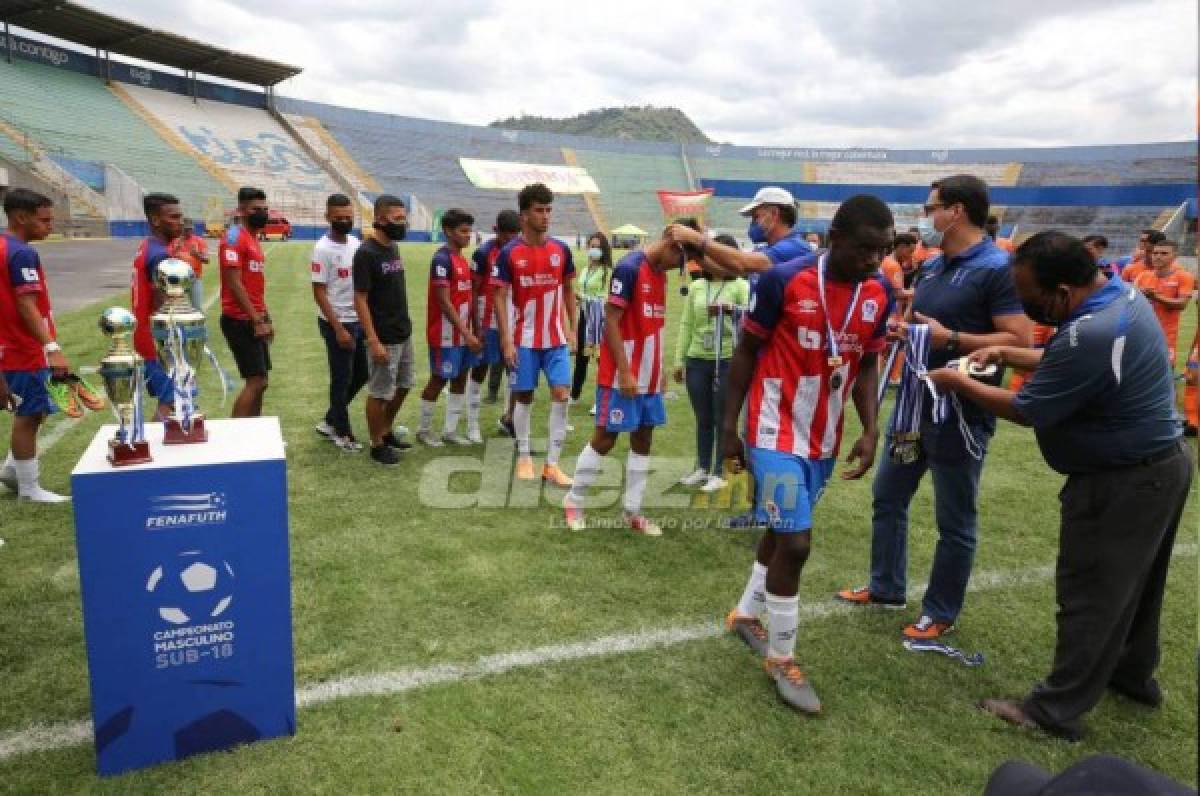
703 367
591 285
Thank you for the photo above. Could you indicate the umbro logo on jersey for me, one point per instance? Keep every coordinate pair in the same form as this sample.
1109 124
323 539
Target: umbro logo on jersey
646 287
555 260
522 263
807 305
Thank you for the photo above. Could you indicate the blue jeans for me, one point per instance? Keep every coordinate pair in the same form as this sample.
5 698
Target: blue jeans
347 373
955 492
708 404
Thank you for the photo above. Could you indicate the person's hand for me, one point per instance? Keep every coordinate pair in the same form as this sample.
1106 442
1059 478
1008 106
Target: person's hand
344 338
627 384
58 363
948 379
472 343
677 374
938 334
379 353
8 401
263 330
863 451
733 452
678 233
988 355
510 354
897 331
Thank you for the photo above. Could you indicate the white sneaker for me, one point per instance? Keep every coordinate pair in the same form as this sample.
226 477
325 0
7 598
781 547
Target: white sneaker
592 411
325 430
475 436
348 444
454 438
429 439
695 478
713 483
39 495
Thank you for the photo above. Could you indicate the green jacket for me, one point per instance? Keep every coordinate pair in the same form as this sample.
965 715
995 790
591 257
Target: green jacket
593 281
697 327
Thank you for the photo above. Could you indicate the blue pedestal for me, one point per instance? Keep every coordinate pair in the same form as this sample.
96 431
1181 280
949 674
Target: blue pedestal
183 566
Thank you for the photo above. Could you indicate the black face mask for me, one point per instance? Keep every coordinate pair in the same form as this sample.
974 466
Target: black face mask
394 230
1039 313
256 219
341 227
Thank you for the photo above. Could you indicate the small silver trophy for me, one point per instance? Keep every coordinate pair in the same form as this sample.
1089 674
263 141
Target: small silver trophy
121 370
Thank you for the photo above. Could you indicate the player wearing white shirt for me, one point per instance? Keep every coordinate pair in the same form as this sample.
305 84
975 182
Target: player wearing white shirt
345 347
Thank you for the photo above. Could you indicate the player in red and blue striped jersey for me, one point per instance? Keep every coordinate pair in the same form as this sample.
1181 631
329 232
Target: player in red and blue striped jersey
631 379
450 329
535 273
165 219
491 358
811 339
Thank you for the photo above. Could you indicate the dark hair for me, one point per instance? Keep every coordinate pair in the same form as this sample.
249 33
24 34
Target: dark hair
967 190
692 252
385 202
1056 259
1170 244
605 247
536 193
1098 240
904 239
153 203
249 194
337 200
861 210
1153 236
22 199
725 239
508 221
455 217
787 214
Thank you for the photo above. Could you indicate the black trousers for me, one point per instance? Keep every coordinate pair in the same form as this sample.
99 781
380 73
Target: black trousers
1115 542
581 359
347 373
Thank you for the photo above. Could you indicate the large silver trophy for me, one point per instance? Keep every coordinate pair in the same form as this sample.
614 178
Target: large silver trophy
121 370
181 338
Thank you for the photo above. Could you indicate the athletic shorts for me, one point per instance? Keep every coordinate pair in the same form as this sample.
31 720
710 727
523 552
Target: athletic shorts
30 387
616 413
554 362
448 362
787 488
384 379
491 353
158 382
252 354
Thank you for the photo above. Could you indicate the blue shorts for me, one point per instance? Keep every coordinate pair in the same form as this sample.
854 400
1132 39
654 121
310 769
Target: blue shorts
787 488
616 413
554 362
30 387
491 353
158 382
448 363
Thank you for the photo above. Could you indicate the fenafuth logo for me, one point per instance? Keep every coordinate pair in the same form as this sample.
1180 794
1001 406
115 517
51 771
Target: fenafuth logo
186 510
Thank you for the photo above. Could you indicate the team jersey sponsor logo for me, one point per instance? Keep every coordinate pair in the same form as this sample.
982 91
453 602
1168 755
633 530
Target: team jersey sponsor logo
807 306
870 309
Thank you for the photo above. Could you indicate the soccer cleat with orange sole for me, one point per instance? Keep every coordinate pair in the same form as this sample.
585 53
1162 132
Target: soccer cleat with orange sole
573 515
749 629
925 629
554 475
86 393
525 468
639 524
862 596
793 685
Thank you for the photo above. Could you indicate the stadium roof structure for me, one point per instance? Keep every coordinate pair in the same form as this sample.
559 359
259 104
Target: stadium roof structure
77 23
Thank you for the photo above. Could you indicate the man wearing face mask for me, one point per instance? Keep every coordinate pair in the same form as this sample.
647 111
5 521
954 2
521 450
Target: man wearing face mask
337 321
772 215
244 318
1101 402
966 298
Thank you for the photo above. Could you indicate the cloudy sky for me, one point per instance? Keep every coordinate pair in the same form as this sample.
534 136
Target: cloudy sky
889 73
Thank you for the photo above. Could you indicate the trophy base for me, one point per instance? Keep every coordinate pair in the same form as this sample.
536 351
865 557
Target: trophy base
121 454
174 433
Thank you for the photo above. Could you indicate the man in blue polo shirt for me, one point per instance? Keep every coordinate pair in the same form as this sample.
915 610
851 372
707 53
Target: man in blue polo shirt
1101 401
966 296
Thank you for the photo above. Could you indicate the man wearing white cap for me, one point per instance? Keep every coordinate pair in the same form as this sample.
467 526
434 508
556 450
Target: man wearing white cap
772 214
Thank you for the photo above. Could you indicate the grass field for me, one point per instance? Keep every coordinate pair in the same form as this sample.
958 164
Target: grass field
524 658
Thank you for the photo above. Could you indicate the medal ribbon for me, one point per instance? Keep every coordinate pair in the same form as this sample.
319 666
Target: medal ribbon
833 344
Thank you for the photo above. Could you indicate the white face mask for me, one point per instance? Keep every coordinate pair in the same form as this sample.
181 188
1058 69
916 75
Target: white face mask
595 253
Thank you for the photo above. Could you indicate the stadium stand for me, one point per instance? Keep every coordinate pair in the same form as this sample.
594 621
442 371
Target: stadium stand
58 112
628 183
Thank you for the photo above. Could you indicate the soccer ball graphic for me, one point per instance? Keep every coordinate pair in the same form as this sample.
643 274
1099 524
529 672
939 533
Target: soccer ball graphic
191 588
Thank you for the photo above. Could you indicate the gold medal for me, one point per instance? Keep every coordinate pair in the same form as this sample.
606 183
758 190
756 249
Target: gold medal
835 362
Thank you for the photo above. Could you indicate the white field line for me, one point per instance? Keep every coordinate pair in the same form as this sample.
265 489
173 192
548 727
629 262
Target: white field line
49 737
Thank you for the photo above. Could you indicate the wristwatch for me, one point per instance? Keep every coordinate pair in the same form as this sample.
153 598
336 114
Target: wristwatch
52 347
952 343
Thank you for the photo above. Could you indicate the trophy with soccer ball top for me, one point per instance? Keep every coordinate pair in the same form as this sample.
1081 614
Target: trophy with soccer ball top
121 370
181 338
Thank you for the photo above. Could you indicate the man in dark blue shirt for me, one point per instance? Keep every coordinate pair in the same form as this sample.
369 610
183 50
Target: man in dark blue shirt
1102 404
965 295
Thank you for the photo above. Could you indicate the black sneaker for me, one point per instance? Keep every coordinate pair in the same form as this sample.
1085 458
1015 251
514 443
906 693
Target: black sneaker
391 441
506 428
384 454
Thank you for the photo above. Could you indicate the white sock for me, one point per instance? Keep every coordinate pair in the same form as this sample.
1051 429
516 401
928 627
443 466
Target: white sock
427 408
474 390
587 468
754 596
8 462
27 474
521 426
782 619
637 468
558 431
454 407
